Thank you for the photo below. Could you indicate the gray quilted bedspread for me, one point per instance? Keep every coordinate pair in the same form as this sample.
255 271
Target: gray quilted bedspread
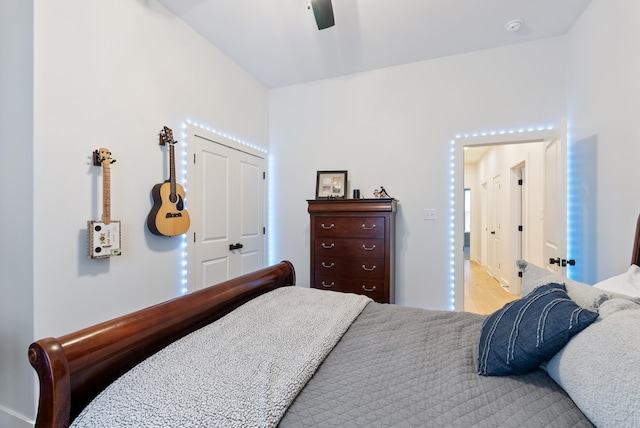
401 367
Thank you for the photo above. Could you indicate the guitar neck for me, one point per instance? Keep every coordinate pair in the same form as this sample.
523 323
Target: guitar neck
172 170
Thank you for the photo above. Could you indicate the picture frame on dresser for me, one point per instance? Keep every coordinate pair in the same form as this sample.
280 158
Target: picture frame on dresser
331 184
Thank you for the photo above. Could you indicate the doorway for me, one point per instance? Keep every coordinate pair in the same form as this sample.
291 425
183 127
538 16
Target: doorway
503 203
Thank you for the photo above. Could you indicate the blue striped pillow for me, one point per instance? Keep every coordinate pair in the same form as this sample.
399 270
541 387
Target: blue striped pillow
529 331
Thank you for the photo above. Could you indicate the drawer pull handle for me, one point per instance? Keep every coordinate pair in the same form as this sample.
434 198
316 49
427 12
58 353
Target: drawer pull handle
364 287
331 226
328 246
364 226
325 285
329 266
369 269
371 248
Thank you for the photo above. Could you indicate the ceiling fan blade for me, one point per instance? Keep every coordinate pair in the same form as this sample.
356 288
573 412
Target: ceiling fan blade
323 11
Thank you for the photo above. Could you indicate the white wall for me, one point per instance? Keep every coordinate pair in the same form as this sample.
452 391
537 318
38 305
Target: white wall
603 106
105 74
111 74
16 213
393 127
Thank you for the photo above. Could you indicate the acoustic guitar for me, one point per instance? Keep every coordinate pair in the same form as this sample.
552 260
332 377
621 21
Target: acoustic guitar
168 217
103 237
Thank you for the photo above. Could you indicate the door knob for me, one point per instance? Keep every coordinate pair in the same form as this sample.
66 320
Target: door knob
562 262
235 246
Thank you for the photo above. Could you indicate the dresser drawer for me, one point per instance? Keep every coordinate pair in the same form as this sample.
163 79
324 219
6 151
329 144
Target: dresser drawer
349 247
361 268
359 227
371 288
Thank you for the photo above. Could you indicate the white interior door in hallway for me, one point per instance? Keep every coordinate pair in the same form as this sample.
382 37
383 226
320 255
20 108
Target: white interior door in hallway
555 205
495 234
226 181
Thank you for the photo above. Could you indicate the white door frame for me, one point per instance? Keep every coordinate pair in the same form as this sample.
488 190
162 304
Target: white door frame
518 218
457 196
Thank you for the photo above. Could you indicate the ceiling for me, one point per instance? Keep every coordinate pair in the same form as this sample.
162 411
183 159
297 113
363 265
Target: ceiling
473 154
278 42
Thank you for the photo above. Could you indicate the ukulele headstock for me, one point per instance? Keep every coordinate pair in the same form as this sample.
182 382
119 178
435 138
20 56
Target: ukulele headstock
102 157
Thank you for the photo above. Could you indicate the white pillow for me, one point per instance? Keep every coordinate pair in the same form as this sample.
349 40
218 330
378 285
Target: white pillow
585 295
599 369
627 283
616 304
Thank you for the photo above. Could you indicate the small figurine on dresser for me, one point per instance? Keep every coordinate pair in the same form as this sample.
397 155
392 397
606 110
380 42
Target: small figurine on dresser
382 193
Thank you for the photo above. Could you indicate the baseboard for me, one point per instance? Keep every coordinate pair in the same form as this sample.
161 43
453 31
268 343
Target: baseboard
11 419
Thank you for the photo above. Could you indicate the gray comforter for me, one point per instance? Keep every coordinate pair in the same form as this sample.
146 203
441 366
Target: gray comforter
402 367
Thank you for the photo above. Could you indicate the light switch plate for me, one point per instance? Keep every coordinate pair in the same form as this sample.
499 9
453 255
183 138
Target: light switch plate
430 214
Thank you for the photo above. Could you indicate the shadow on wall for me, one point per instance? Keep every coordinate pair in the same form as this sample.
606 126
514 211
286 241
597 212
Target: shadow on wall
581 208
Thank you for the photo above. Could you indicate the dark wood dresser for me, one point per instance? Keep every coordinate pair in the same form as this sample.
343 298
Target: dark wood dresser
353 246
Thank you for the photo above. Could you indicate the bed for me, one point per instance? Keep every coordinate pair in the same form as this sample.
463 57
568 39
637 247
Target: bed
334 359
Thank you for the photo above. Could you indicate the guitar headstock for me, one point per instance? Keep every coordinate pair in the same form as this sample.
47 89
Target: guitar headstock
166 136
102 156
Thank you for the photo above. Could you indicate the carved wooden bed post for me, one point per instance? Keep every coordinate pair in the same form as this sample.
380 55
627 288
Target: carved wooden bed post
55 383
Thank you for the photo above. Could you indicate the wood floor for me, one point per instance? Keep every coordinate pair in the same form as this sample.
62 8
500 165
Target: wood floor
482 293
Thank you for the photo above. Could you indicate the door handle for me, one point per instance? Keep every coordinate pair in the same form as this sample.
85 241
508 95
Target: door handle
235 246
493 232
562 262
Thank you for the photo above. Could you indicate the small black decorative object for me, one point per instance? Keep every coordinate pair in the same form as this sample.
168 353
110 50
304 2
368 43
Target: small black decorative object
382 193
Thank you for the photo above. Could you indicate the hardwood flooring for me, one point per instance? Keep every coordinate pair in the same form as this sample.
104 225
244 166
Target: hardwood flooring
482 293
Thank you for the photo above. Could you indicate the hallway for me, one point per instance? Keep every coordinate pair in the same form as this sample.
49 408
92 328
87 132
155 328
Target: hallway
482 293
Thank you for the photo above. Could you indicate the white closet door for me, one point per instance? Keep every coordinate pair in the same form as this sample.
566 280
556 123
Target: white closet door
227 206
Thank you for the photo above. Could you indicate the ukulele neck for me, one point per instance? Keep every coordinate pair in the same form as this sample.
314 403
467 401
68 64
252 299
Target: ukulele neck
106 192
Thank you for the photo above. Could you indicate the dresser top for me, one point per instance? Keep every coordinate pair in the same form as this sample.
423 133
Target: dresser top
364 205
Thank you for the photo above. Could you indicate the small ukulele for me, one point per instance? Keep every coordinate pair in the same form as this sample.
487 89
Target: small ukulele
168 217
104 236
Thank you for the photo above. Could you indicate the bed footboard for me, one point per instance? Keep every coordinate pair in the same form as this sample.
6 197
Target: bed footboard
75 368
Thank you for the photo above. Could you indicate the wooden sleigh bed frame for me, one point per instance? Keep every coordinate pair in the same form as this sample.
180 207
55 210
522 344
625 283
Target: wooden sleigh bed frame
73 369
